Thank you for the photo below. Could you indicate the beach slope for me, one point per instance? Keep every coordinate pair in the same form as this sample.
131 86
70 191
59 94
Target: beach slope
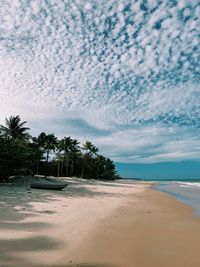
96 224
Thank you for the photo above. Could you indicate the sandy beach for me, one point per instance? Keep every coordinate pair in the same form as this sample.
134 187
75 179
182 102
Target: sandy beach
96 224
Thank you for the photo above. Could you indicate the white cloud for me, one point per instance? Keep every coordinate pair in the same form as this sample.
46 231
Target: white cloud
113 64
152 144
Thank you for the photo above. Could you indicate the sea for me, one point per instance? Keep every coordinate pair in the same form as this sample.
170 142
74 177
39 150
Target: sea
187 192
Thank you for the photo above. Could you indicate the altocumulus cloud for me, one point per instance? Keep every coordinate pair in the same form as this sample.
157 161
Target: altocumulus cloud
126 73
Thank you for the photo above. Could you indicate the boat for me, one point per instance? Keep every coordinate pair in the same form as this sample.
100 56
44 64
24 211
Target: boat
50 186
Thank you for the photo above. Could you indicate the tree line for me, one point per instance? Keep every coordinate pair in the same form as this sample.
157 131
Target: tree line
23 154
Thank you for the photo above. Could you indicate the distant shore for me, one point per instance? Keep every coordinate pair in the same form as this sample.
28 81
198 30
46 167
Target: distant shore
96 224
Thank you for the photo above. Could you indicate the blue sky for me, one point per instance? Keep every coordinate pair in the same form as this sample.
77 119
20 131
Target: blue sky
124 74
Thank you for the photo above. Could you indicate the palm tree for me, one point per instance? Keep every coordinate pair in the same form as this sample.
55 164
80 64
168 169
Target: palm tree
90 151
58 159
74 154
90 148
37 154
47 142
65 145
109 169
100 164
67 152
14 128
94 150
21 153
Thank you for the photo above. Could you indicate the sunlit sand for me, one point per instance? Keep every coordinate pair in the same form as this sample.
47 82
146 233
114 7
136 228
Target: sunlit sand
96 224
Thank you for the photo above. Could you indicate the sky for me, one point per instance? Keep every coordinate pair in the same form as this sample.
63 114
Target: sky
124 74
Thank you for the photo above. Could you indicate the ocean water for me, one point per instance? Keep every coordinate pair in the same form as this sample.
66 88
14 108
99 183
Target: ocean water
184 191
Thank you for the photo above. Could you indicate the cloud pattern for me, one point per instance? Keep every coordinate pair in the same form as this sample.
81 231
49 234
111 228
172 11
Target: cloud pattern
130 68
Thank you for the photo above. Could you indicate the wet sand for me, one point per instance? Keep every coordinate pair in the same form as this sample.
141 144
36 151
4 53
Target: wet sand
156 231
96 224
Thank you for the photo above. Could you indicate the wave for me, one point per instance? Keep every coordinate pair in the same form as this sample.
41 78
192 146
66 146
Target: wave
189 185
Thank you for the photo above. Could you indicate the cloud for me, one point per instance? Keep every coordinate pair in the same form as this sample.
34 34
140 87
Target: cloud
105 69
150 144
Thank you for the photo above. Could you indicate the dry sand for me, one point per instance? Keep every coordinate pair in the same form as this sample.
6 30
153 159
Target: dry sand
43 227
156 231
96 224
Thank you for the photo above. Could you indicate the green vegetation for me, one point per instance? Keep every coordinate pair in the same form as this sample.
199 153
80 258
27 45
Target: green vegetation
22 154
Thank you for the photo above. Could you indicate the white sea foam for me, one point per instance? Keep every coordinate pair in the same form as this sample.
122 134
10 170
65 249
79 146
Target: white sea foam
189 184
187 192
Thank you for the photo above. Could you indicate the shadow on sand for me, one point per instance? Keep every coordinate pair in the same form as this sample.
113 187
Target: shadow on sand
16 205
16 202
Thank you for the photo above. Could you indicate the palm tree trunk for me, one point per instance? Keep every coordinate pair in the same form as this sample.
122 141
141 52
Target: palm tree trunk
67 165
58 169
37 167
62 164
82 172
97 172
47 158
72 168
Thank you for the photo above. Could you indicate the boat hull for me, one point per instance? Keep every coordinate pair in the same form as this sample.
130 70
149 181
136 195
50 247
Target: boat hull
48 186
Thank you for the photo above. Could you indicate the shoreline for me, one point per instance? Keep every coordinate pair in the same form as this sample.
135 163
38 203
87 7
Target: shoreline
186 193
97 224
155 231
